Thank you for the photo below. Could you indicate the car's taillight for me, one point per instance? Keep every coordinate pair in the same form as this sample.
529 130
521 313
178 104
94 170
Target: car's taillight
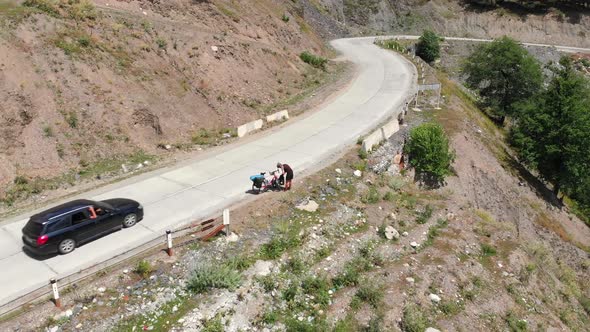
41 240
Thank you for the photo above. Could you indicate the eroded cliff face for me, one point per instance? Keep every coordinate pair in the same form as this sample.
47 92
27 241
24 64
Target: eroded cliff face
455 18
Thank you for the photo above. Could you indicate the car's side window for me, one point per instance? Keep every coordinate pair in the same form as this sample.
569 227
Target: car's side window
57 225
79 217
100 211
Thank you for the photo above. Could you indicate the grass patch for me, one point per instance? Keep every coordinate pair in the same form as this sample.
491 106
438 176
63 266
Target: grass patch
209 275
314 60
487 250
286 237
425 215
372 196
451 308
515 324
414 319
370 293
294 265
143 268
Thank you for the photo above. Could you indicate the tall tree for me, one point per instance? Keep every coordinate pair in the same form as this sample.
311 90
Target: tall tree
552 133
428 47
503 73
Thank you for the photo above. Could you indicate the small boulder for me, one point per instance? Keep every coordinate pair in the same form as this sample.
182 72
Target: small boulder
414 244
404 234
262 268
214 48
101 289
391 233
338 170
434 298
168 147
410 280
357 173
124 168
310 206
431 329
233 237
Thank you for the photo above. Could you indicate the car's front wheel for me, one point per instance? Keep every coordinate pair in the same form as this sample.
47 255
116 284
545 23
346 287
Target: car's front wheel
66 246
130 220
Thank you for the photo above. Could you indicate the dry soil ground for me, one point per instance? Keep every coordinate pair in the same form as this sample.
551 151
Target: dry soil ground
491 254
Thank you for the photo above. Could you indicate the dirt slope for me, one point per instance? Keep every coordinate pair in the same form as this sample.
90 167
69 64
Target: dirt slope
127 76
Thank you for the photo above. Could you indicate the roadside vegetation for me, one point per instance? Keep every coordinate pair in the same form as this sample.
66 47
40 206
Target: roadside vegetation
428 46
549 116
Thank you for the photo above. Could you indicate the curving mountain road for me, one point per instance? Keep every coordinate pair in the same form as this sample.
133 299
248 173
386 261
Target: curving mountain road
175 196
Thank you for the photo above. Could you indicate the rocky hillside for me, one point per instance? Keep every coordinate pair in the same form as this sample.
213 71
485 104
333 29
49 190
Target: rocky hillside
86 84
457 18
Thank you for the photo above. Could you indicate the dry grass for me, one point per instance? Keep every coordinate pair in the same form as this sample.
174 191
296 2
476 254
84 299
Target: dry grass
551 224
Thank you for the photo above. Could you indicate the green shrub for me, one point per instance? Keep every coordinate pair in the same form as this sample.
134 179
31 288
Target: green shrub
317 287
161 43
240 262
285 18
430 153
428 47
414 319
389 196
47 131
515 324
202 137
143 268
268 283
20 180
84 41
294 265
451 307
371 294
372 196
48 6
348 277
72 119
270 317
209 275
585 303
487 250
423 216
213 325
314 60
363 154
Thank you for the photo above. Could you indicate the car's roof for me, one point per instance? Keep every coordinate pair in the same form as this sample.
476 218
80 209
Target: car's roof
61 209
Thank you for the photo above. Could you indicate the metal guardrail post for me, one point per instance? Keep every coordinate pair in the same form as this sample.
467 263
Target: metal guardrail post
226 222
169 243
56 298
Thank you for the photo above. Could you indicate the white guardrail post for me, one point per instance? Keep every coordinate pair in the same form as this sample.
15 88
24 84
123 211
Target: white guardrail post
56 298
226 222
169 243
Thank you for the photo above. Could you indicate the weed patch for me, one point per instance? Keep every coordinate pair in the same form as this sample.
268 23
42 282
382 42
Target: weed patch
143 268
209 275
414 319
314 60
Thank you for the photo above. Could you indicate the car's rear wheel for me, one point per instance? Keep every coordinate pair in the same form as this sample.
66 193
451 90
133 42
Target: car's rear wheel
66 246
130 220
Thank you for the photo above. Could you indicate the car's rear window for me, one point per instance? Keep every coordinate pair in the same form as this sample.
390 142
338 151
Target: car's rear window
33 228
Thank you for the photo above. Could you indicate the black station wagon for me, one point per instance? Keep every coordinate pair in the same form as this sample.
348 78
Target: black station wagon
62 228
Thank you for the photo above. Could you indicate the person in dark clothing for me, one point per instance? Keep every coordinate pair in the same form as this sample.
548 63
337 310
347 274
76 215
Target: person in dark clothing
287 173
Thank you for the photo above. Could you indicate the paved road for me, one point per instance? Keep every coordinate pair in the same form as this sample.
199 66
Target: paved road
196 190
566 49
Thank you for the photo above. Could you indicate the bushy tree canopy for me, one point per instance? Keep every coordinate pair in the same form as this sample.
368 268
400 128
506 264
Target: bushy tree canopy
429 152
428 47
503 73
552 132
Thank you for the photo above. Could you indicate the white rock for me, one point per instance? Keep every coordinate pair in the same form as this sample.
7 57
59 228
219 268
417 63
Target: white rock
414 244
262 268
410 280
167 146
233 237
68 313
357 173
147 162
101 289
434 298
391 233
139 166
431 329
405 234
338 170
393 216
124 168
310 206
53 329
125 271
214 48
505 274
181 320
79 326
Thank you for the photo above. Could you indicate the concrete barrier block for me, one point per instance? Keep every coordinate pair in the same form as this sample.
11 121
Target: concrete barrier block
249 127
278 116
390 128
371 140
